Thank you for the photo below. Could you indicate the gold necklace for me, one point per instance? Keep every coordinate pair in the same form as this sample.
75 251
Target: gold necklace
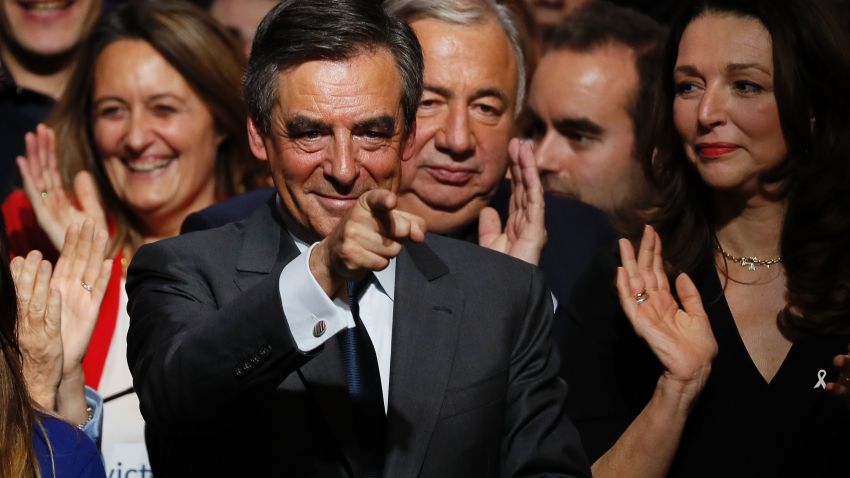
750 262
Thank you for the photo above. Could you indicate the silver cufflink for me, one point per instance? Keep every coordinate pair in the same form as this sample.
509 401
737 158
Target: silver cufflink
319 329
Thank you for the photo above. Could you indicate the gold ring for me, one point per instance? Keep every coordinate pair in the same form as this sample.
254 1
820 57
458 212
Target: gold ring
44 194
642 296
86 286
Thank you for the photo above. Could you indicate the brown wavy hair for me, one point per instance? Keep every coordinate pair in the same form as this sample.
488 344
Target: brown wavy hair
812 86
209 59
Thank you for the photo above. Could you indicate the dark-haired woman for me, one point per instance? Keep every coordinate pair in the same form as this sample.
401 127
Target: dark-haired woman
154 130
726 372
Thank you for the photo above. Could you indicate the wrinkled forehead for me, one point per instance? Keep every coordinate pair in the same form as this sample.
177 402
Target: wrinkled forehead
366 85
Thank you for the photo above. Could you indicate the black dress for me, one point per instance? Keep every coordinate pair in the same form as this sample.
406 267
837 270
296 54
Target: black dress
740 425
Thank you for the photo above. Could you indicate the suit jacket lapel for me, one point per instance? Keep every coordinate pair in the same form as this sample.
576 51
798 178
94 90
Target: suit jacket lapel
426 316
265 237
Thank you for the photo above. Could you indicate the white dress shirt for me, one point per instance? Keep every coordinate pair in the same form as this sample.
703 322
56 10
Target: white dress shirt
305 303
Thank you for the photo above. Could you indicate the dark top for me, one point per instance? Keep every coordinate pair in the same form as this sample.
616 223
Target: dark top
20 111
740 425
74 454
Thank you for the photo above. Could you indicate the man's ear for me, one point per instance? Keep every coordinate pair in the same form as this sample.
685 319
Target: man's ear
409 142
256 141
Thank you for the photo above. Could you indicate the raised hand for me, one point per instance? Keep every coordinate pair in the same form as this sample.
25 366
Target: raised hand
81 276
39 327
365 240
680 337
524 234
54 208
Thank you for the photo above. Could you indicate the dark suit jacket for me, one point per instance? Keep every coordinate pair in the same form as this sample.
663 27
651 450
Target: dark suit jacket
473 381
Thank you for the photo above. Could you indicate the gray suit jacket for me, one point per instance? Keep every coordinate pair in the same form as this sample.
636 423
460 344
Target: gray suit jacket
225 392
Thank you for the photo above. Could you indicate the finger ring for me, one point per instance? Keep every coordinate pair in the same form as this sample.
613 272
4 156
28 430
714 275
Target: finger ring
86 286
642 296
44 194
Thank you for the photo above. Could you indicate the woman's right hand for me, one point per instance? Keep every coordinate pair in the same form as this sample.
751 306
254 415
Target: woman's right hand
54 208
680 337
39 327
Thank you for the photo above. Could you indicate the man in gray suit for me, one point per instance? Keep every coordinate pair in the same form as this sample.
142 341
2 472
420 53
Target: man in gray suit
328 334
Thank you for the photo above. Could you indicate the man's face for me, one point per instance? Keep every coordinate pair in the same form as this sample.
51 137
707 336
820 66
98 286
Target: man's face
48 27
583 134
337 132
464 120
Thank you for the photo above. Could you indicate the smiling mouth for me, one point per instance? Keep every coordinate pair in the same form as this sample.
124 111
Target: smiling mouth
147 164
48 6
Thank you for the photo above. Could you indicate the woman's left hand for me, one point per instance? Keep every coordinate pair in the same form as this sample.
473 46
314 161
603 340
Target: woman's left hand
81 275
39 327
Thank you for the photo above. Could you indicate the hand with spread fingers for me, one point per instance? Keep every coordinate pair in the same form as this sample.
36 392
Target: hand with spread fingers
524 234
81 276
680 337
841 387
58 310
370 235
39 327
54 208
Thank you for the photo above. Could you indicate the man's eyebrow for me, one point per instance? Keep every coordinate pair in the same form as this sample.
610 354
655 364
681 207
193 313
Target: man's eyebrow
303 123
532 124
583 125
439 90
383 123
531 115
495 92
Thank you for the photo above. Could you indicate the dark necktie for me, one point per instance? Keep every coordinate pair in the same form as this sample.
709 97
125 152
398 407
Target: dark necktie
364 386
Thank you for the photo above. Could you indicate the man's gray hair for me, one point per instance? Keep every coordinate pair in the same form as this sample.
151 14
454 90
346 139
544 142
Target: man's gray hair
468 13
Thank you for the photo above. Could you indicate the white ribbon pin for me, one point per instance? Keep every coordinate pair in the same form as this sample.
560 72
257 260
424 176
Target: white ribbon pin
821 376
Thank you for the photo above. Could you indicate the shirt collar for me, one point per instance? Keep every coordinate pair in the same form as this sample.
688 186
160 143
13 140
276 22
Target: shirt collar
385 277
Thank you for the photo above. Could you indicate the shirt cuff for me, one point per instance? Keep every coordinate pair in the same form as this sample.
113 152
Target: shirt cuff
94 428
306 305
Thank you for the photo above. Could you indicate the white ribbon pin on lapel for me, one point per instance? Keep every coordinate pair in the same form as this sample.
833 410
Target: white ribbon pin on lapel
821 376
